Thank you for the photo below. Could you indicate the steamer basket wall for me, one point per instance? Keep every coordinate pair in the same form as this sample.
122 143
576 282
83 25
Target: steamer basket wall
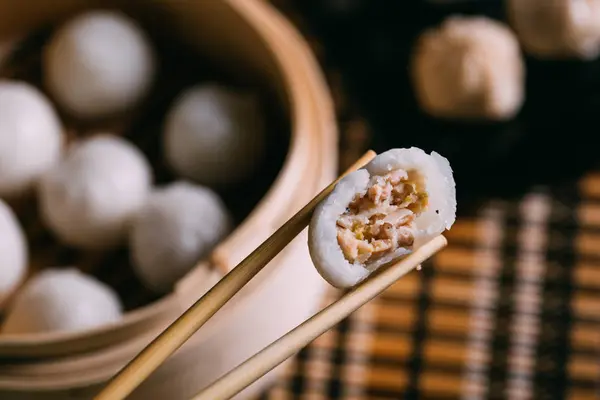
263 48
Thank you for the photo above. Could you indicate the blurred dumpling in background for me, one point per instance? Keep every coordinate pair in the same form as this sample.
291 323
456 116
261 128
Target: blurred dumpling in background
58 300
13 252
557 28
214 135
179 225
31 137
99 63
90 197
470 68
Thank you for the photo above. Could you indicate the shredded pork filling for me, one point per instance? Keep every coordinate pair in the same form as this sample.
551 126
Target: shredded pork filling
381 220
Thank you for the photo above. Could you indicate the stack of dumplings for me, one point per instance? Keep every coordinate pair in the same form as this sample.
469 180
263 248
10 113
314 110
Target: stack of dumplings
95 190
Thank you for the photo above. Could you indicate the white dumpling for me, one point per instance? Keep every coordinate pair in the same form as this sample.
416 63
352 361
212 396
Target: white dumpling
99 63
179 225
557 28
399 201
214 135
31 137
13 252
469 68
61 300
89 199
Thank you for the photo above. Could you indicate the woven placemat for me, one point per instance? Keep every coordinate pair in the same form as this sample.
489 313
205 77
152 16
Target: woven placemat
510 310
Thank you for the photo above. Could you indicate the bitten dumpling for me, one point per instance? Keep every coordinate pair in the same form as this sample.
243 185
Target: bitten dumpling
469 68
214 135
99 63
59 300
89 199
31 137
179 225
557 28
399 201
13 252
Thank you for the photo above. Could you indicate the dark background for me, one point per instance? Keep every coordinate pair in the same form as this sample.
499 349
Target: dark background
551 141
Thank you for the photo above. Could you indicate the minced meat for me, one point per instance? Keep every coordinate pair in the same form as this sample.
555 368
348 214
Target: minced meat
381 220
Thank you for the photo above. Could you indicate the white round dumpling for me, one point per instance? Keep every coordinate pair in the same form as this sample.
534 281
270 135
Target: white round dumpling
60 300
399 201
99 63
469 68
214 135
557 28
89 199
179 225
13 252
31 136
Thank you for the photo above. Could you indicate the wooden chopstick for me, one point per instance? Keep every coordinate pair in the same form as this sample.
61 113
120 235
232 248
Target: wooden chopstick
174 336
246 373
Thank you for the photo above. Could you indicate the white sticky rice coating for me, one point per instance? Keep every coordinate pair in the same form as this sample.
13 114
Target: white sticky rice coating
177 227
215 135
13 252
99 63
58 300
440 214
89 199
31 137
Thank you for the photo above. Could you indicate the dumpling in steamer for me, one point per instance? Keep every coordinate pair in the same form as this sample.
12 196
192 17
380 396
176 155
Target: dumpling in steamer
60 300
215 135
99 63
13 252
400 200
89 199
177 227
31 137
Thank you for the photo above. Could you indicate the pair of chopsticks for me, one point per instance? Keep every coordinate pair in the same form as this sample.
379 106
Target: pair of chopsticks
174 336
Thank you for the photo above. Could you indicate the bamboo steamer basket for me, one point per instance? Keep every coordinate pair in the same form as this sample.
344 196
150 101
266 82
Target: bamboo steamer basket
252 39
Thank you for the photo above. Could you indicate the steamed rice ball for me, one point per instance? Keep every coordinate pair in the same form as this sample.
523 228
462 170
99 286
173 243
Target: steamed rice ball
378 214
59 300
90 198
179 225
469 68
13 252
31 137
214 135
99 63
557 28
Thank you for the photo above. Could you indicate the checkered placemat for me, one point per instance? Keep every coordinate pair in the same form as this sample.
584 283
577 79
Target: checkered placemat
509 310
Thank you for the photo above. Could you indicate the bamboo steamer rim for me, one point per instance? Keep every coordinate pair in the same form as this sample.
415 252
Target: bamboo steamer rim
276 34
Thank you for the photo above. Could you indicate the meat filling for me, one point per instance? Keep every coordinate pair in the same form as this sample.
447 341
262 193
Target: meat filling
381 220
